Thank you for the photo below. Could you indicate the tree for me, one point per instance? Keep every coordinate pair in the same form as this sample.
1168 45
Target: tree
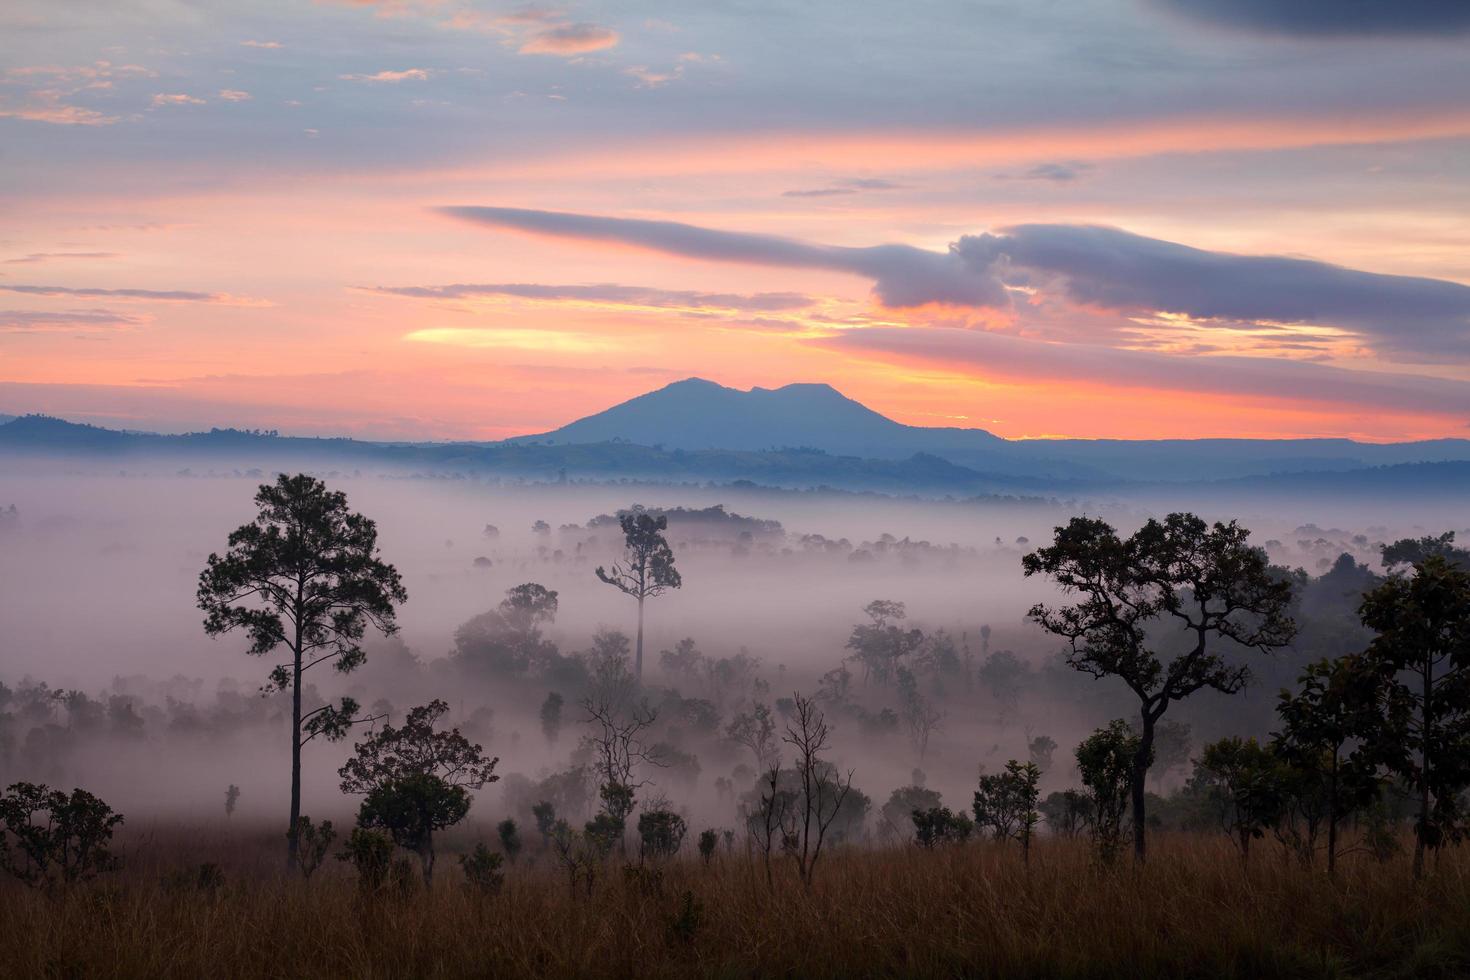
1005 802
708 840
1335 707
1067 812
510 839
938 825
1205 581
1249 779
1041 749
314 841
232 797
922 716
551 716
508 638
756 730
822 790
50 838
306 575
1106 760
660 833
881 645
647 569
1422 656
416 780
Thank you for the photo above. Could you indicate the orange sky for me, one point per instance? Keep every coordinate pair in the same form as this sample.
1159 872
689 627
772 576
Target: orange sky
201 226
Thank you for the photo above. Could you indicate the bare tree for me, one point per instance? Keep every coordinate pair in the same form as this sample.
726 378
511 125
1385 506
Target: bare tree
821 788
773 820
619 749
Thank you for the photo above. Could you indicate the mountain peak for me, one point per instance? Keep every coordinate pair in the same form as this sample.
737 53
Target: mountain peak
696 413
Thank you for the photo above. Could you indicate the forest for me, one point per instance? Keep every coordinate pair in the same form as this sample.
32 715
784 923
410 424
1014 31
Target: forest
618 801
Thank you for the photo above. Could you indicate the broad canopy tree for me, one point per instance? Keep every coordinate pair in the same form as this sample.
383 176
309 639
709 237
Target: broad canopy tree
647 569
416 779
1151 608
1422 659
305 575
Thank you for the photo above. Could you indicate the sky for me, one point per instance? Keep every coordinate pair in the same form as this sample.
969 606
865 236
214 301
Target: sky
461 219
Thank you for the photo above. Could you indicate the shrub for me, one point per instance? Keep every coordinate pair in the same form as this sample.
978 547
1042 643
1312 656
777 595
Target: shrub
371 854
482 872
49 838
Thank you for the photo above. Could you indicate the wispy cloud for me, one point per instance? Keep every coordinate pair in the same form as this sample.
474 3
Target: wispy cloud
843 188
157 295
163 100
1059 173
1077 270
610 293
406 75
234 95
262 44
903 276
35 258
554 341
67 321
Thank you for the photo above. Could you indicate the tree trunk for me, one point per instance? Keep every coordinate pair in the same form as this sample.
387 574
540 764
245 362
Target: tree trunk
638 660
1424 723
1137 787
1332 817
426 858
292 843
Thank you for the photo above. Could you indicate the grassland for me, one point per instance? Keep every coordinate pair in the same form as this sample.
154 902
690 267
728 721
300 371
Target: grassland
968 911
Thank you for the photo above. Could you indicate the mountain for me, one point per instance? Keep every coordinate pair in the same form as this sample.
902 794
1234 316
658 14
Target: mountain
698 414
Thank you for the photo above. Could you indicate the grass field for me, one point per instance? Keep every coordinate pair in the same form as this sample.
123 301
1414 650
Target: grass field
965 911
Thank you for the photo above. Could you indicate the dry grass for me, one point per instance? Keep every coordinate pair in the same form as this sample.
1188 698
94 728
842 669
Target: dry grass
965 912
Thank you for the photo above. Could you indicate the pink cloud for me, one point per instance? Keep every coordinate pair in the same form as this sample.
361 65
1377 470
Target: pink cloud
408 74
570 39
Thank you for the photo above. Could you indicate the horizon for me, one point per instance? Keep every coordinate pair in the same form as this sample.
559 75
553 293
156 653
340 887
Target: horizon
184 429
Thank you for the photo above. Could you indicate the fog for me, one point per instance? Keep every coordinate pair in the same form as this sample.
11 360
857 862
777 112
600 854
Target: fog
97 595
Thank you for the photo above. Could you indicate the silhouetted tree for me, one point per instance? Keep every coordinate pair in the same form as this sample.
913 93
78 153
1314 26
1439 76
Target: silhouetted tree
822 790
1204 580
1422 655
939 825
416 780
1250 781
50 838
647 569
510 839
232 797
1330 734
551 716
1067 812
1005 803
660 833
1106 760
306 575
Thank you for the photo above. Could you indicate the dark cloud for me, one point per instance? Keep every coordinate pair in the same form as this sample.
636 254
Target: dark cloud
1401 316
1005 356
609 293
1095 268
1331 18
903 276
